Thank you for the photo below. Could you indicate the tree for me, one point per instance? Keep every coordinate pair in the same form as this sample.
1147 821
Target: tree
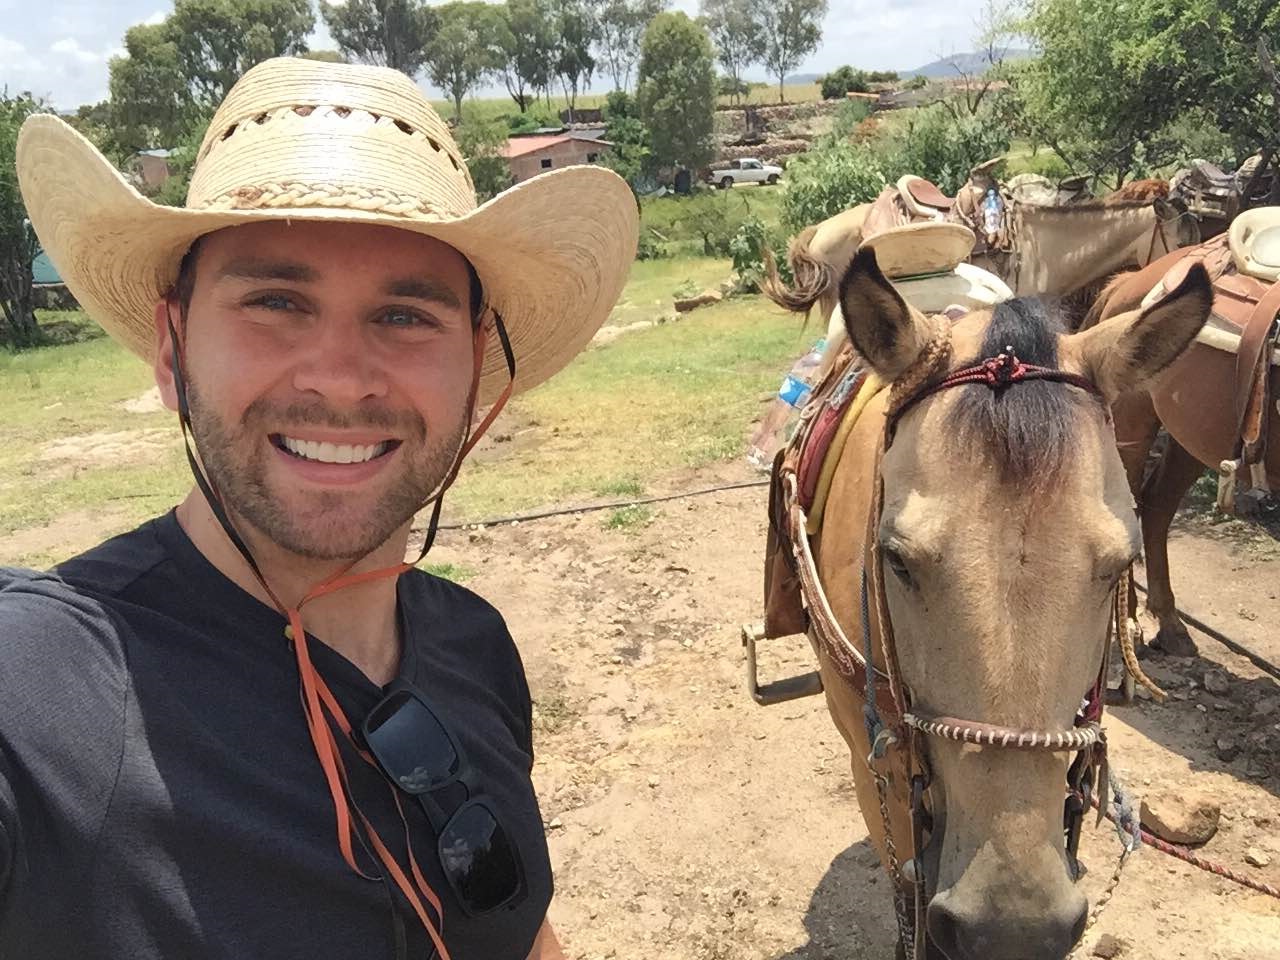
527 42
324 56
151 96
218 40
676 91
1107 91
18 244
621 26
385 33
461 52
844 80
578 29
481 142
792 30
630 156
737 33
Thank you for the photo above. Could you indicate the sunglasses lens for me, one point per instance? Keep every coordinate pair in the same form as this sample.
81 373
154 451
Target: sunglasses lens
410 743
478 857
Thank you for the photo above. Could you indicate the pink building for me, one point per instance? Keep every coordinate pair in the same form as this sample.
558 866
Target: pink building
537 153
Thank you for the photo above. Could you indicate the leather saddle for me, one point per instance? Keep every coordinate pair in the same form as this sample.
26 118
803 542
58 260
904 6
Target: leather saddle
1248 305
923 199
1207 190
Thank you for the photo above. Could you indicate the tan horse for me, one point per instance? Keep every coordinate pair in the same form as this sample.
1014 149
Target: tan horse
1195 405
1006 524
1059 250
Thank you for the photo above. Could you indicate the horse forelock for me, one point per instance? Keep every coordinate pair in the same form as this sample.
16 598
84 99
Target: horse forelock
1027 428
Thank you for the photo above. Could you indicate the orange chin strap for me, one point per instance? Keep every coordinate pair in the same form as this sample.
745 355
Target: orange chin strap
319 704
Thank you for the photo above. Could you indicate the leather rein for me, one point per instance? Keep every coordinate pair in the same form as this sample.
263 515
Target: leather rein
892 726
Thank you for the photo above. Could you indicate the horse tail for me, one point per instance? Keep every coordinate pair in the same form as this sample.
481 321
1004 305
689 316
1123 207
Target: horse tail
813 276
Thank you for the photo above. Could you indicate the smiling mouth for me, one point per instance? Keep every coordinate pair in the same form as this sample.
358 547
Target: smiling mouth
318 452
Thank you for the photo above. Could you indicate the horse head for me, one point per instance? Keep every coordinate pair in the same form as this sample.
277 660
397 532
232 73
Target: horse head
1005 525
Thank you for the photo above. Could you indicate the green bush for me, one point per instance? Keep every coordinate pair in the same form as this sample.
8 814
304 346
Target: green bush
481 142
943 146
650 247
848 115
841 81
829 179
746 249
537 116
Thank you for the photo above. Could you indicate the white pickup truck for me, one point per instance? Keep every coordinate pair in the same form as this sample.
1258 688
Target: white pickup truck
746 170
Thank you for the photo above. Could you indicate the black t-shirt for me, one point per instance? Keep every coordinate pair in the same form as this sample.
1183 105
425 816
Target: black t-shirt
159 793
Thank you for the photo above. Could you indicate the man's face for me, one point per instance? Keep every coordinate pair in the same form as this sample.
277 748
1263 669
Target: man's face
328 368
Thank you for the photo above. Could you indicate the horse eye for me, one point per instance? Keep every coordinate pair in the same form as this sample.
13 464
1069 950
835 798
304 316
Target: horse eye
893 560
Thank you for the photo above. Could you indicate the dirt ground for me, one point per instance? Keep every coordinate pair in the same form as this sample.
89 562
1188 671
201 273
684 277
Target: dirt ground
687 823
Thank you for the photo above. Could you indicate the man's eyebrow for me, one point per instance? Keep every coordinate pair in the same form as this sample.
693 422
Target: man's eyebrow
420 288
255 268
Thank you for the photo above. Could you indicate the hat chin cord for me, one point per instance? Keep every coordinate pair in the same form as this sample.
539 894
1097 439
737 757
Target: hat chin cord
319 704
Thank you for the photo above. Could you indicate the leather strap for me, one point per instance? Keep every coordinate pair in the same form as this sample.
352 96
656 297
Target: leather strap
1253 360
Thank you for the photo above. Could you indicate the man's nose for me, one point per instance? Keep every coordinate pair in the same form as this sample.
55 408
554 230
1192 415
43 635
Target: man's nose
340 365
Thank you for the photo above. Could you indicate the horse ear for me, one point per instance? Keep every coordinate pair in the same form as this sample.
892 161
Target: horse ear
884 329
1128 351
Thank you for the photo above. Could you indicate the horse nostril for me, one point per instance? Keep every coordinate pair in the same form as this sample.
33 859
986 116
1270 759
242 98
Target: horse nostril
944 930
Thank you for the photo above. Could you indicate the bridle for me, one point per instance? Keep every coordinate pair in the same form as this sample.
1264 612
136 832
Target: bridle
894 729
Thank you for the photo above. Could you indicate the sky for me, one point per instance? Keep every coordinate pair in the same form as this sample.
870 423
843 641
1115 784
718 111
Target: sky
59 48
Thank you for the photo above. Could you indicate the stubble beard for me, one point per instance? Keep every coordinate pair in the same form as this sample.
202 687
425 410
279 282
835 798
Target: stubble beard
318 525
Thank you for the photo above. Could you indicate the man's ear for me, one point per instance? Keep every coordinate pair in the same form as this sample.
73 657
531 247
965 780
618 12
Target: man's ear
884 329
1128 351
162 362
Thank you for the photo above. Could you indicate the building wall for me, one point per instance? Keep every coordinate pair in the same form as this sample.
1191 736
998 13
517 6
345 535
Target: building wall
153 170
559 154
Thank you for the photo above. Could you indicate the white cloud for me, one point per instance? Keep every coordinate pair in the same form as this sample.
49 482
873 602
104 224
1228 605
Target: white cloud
70 46
155 18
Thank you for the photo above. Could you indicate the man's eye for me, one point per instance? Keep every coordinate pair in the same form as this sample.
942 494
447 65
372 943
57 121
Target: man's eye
406 318
273 301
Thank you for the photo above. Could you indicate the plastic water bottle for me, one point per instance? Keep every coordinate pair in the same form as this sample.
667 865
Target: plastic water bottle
784 413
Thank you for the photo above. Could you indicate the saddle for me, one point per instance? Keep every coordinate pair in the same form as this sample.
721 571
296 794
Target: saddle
1207 191
924 199
910 245
811 454
1248 305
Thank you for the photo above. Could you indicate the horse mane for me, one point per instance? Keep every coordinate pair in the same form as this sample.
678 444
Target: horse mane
1026 429
1137 192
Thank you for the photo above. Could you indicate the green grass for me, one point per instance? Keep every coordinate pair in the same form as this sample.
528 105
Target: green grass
654 284
629 518
614 423
622 487
456 572
57 392
654 401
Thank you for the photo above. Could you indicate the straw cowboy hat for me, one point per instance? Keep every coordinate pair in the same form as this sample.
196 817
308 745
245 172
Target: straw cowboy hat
302 140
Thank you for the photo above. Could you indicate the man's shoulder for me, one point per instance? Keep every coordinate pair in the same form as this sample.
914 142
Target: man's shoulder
66 615
440 596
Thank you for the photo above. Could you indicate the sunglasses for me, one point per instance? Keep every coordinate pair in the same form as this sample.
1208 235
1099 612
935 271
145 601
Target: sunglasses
422 757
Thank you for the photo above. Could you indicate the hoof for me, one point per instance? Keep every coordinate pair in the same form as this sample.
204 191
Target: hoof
1176 643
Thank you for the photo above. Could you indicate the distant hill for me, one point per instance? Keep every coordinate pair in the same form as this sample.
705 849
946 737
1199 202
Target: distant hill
803 78
958 63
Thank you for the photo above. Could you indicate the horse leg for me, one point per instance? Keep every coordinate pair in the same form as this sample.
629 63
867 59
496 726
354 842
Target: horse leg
1161 495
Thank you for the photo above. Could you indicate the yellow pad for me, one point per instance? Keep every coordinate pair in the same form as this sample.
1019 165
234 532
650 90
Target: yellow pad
870 386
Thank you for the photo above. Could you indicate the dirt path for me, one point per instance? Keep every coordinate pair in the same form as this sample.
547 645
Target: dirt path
687 823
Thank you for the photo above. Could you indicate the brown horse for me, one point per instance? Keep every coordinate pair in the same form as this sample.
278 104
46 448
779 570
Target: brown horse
1194 403
1006 524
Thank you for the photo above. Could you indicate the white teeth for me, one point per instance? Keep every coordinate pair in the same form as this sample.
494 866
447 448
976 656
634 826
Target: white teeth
332 452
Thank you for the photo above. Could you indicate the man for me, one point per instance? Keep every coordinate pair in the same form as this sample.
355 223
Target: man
248 728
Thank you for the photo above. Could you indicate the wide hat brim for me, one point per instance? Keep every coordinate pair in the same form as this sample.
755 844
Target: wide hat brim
552 253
